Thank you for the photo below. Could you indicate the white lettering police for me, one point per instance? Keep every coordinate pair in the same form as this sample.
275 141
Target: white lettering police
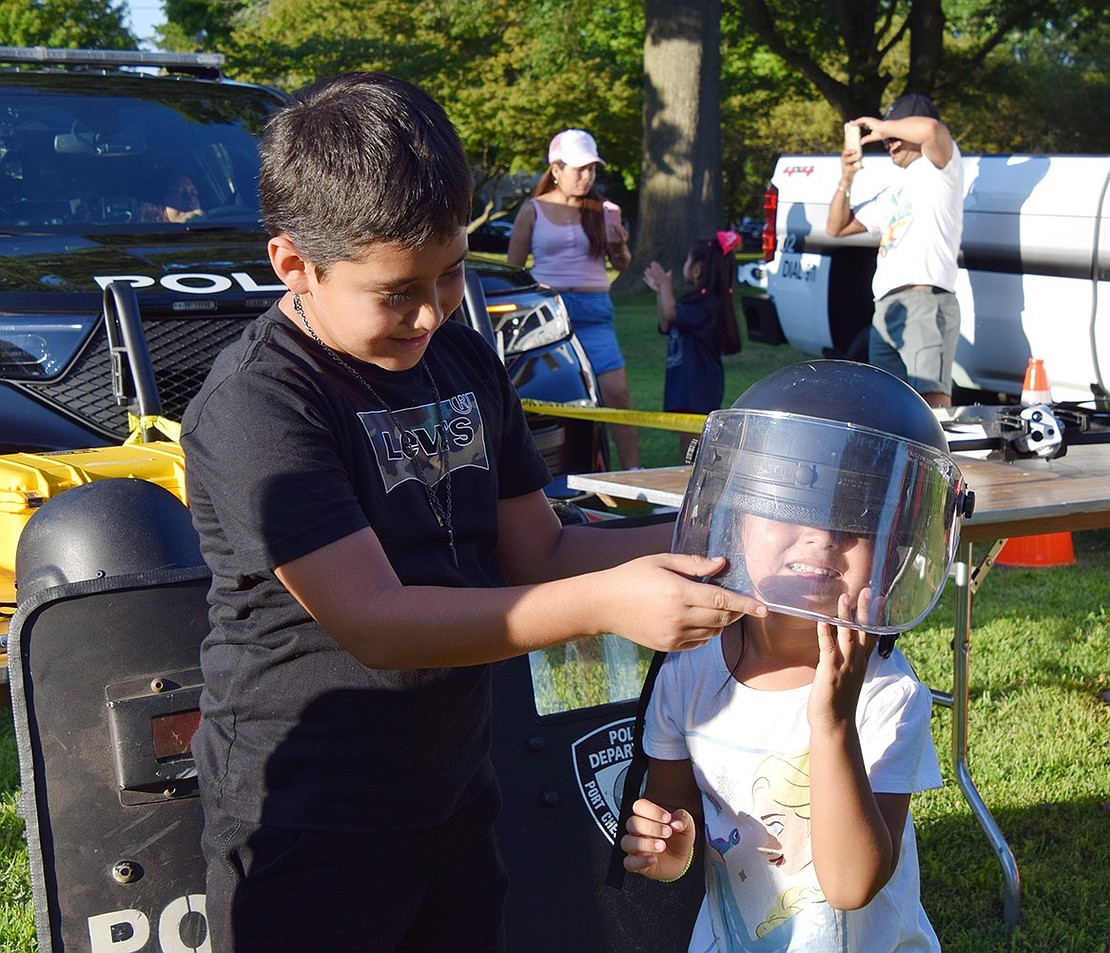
194 283
128 931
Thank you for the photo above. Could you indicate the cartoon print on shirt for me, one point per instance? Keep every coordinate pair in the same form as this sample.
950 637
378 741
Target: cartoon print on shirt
781 802
899 221
760 864
413 453
722 845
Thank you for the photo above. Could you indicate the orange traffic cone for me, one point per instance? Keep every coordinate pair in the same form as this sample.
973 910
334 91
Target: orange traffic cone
1037 552
1035 390
1048 549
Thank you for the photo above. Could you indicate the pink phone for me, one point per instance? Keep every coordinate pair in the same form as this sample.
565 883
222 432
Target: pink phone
612 213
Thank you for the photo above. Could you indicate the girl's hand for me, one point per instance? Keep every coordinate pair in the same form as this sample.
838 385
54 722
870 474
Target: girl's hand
841 666
659 843
655 276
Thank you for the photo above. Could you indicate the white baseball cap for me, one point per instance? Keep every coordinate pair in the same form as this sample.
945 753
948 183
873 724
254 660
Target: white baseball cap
575 147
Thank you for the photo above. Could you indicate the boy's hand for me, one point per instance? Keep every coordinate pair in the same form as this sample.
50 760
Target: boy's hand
656 601
658 844
841 667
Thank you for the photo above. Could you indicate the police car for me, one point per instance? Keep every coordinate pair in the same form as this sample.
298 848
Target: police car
141 167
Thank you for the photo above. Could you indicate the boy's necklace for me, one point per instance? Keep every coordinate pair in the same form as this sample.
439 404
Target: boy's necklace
409 443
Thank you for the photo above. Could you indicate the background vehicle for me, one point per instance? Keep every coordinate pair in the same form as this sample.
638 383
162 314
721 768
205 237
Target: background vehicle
492 236
1034 276
87 142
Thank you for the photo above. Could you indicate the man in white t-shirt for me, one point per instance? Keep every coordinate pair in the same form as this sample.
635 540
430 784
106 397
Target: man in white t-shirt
918 218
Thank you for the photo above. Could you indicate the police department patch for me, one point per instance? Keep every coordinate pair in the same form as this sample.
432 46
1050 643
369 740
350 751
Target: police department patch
601 761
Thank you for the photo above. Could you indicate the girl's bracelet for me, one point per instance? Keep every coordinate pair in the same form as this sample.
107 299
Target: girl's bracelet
685 870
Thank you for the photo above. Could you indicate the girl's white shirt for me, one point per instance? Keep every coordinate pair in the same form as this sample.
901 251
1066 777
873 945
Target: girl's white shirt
749 750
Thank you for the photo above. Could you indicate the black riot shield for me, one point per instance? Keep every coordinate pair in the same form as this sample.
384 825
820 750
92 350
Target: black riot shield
562 775
105 687
563 733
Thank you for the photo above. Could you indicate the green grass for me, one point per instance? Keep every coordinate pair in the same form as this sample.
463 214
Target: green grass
17 919
1039 735
1039 752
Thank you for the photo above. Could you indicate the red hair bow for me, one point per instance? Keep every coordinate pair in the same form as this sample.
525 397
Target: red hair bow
728 241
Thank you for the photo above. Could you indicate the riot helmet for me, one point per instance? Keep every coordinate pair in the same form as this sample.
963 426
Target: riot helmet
110 527
827 478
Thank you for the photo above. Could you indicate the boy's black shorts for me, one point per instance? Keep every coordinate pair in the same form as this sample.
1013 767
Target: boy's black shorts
274 890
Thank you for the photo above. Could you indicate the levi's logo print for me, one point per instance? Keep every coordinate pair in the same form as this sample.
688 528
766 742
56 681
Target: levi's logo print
413 451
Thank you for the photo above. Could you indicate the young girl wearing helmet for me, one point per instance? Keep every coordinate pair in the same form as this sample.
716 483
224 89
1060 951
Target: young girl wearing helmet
786 753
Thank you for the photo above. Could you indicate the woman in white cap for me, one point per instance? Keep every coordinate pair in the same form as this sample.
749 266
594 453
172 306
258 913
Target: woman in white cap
570 233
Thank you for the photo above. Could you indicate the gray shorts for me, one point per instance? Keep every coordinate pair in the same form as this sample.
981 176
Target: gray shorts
914 335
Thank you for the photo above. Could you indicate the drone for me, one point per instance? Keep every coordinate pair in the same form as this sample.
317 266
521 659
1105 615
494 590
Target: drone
1015 432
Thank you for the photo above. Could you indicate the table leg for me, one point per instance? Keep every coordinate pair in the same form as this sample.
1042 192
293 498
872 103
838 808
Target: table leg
967 582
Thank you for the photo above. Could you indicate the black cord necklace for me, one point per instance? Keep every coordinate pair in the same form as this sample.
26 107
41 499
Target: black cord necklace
409 443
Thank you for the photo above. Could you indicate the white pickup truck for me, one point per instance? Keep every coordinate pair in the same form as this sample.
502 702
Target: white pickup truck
1034 276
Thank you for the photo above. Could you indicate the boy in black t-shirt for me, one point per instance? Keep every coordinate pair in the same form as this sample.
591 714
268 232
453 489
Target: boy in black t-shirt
370 503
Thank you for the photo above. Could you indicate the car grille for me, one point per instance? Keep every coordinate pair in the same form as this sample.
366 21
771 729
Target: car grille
181 352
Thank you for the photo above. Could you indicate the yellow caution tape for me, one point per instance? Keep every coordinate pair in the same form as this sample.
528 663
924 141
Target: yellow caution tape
141 424
683 423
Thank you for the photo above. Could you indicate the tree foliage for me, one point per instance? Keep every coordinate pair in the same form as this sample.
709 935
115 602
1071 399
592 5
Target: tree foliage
77 24
1008 75
510 73
199 23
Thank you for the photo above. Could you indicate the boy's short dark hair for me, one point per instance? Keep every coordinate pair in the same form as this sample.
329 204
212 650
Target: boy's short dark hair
358 159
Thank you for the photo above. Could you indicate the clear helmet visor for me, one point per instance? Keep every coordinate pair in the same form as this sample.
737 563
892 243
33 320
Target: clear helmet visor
807 510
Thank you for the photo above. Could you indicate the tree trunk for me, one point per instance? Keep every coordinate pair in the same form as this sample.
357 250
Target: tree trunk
680 184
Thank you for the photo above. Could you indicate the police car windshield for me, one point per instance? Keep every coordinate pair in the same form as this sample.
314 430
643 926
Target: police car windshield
130 153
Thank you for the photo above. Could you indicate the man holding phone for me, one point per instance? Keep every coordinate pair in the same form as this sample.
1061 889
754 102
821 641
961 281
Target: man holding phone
918 218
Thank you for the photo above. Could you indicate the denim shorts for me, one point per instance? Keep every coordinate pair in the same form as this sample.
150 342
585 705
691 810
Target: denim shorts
591 319
914 335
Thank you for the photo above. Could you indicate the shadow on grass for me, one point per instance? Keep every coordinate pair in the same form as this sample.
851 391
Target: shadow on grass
1064 868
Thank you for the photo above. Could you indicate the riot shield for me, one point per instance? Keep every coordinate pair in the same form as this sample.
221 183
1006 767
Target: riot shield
561 776
562 745
105 696
105 686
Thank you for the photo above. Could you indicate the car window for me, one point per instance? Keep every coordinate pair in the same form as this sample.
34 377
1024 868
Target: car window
99 156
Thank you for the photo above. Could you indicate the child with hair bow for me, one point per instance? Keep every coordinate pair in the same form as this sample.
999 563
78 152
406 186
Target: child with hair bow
700 326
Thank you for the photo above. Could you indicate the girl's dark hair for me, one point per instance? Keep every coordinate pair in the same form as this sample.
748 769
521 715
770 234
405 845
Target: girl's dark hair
593 217
715 285
358 159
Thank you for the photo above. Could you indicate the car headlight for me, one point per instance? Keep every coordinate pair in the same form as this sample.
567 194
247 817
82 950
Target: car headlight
527 326
41 347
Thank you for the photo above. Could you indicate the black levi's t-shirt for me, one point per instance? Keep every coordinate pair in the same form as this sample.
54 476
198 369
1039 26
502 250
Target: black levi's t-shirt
286 451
